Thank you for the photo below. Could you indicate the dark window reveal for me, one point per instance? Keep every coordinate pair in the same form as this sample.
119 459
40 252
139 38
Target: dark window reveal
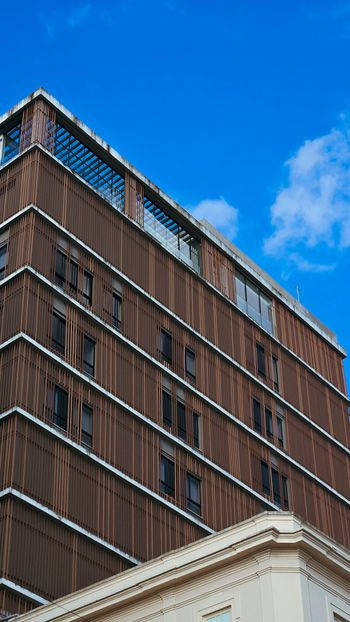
181 420
268 422
89 356
265 477
280 430
257 416
117 310
276 384
167 414
276 487
285 492
60 268
167 479
166 346
190 363
58 331
73 277
86 426
260 357
196 429
60 408
3 260
87 291
193 490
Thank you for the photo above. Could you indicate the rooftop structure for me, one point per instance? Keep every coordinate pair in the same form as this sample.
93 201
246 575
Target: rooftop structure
157 386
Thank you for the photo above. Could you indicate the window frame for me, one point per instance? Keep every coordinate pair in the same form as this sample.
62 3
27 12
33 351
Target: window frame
87 367
57 416
265 481
166 487
166 345
4 245
190 355
167 420
55 343
275 374
181 416
257 420
196 428
86 437
269 422
73 275
192 505
260 359
60 277
117 310
87 290
276 485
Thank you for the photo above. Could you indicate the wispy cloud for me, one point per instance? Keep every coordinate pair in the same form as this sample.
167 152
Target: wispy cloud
314 207
219 213
78 16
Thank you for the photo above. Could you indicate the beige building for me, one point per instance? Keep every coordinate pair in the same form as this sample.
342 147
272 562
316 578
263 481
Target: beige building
271 568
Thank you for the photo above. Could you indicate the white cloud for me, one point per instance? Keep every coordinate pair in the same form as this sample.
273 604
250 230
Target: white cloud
314 208
219 213
304 265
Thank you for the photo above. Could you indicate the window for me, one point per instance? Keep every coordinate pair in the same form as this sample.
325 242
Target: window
60 269
87 291
257 416
167 414
60 408
86 426
73 277
276 487
181 420
166 346
268 422
285 491
190 363
280 430
58 331
193 488
252 301
260 357
196 429
276 384
3 259
167 479
117 310
219 616
265 477
89 356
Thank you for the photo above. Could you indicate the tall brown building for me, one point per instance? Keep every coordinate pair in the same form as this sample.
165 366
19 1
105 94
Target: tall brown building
155 385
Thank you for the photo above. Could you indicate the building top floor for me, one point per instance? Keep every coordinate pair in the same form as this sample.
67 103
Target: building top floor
102 168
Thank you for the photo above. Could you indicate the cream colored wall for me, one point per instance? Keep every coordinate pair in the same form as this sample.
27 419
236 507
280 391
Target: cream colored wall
271 587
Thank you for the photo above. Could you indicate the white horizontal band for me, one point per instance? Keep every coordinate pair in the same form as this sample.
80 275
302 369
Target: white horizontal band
14 587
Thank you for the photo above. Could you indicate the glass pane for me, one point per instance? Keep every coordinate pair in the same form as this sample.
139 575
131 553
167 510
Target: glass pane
253 303
266 313
240 292
225 616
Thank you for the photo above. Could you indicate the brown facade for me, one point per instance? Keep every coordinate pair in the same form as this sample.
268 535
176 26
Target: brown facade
91 509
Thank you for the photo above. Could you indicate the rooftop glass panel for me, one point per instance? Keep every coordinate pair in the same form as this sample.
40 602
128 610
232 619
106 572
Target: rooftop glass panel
253 302
11 140
171 234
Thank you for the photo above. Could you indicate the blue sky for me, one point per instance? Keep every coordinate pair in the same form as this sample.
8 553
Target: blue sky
238 109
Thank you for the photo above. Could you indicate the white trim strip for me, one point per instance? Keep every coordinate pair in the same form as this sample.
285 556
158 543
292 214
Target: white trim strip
176 318
174 439
14 587
68 523
109 467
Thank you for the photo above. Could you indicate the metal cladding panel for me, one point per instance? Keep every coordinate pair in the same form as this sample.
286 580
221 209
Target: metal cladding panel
45 557
18 185
139 383
12 602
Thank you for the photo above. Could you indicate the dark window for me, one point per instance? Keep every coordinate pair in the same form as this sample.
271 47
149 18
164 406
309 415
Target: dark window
260 357
117 310
257 416
167 480
3 260
268 422
87 291
60 269
193 491
276 487
89 356
276 383
280 430
196 429
285 492
190 363
58 331
265 477
86 426
166 346
60 408
167 414
181 420
73 278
